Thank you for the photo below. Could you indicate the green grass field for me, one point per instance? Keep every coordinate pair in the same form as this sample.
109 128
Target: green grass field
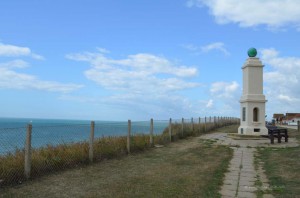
54 158
282 167
187 168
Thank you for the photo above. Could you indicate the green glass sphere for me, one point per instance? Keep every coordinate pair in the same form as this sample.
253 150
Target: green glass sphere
252 52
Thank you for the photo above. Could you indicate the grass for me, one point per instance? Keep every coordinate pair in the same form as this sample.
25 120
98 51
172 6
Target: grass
282 168
187 168
229 129
51 159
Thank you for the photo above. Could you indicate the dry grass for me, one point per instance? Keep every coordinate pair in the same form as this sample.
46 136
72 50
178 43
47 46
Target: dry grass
51 158
282 168
187 168
228 129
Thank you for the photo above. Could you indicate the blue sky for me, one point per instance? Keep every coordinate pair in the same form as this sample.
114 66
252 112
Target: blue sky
115 60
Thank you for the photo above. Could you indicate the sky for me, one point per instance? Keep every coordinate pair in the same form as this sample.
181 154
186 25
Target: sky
142 59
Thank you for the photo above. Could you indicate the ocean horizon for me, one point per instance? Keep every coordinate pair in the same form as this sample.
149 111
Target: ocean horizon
65 131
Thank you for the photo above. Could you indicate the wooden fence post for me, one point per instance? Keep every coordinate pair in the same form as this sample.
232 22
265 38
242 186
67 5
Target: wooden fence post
204 124
192 123
91 143
182 126
199 122
215 122
27 165
128 136
151 132
170 129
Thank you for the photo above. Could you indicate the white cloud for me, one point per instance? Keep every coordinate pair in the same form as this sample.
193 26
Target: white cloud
16 51
284 64
37 57
12 50
103 50
282 81
139 73
224 89
10 79
284 98
210 103
14 64
191 47
216 46
225 96
272 13
144 83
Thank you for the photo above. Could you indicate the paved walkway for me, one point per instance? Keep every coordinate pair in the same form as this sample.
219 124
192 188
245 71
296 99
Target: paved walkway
241 176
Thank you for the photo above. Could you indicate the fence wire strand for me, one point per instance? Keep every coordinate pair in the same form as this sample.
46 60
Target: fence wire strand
58 147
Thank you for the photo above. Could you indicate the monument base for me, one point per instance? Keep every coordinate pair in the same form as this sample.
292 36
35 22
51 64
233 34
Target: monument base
255 131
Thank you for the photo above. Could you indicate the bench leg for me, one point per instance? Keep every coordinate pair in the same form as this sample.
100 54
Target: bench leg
272 138
286 138
279 138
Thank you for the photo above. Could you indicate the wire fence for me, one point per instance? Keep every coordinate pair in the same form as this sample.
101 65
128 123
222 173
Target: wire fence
32 151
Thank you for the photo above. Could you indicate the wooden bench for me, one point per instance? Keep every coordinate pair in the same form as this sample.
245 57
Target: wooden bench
274 132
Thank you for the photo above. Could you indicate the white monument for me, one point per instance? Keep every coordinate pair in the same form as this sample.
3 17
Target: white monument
253 100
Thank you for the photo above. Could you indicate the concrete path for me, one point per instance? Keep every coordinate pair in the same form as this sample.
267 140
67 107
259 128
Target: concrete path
223 139
240 180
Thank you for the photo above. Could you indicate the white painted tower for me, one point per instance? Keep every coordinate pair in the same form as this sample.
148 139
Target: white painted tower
253 100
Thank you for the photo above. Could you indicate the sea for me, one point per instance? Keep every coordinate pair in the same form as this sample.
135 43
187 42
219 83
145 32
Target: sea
58 131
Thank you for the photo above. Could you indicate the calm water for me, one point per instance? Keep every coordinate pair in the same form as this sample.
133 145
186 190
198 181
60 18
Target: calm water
50 131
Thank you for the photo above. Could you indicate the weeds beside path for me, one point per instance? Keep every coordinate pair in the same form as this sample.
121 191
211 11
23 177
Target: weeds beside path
187 168
282 168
